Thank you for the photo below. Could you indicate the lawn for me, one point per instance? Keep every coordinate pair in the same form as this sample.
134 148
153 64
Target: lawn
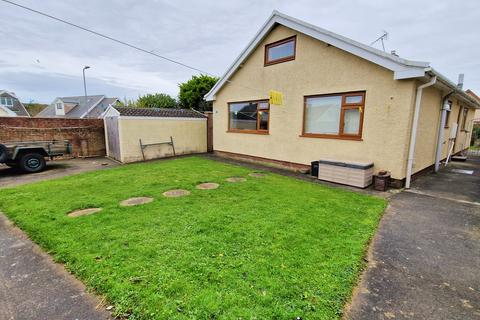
268 248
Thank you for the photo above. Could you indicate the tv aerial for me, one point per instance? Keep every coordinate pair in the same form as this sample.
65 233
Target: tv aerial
381 39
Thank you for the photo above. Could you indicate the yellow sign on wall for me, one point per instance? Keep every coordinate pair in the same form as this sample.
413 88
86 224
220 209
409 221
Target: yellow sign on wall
275 97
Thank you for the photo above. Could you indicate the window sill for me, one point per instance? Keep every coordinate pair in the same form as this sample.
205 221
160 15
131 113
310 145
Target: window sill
330 136
272 62
249 132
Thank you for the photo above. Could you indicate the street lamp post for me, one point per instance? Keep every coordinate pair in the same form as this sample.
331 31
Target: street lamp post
85 83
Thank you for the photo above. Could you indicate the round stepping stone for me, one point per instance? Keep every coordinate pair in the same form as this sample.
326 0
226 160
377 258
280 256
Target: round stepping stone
208 186
135 201
83 212
236 179
257 174
176 193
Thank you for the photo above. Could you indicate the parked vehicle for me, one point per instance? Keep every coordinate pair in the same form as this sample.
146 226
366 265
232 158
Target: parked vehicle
30 156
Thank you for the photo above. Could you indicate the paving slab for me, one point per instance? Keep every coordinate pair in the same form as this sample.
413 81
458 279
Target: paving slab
32 286
424 262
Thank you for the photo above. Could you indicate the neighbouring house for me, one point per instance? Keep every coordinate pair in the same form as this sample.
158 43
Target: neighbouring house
10 105
138 134
77 107
342 101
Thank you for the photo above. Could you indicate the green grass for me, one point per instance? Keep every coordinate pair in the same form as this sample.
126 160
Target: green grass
268 248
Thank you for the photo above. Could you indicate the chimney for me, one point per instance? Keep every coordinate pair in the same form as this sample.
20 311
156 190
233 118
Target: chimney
460 81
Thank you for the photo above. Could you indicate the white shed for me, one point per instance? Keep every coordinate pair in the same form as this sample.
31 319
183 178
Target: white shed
138 134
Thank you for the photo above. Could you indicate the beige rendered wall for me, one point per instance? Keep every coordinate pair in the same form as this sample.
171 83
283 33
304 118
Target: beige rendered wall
464 136
428 127
318 69
189 136
427 132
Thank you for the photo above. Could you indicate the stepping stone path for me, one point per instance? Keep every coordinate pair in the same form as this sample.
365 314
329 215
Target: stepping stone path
207 186
176 193
135 201
83 212
257 174
236 179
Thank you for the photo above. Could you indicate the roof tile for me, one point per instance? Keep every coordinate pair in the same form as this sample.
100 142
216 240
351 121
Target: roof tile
159 112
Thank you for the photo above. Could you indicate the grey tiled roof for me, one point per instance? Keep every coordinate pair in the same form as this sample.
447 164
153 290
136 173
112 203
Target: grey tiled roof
159 112
17 107
101 107
80 107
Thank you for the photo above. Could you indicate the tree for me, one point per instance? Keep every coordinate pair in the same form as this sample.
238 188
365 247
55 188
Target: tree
157 100
192 92
34 108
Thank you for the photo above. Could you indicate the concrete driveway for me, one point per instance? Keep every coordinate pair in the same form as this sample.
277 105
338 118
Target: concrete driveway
424 262
10 177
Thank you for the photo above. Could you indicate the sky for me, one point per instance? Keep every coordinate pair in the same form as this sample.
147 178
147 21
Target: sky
41 59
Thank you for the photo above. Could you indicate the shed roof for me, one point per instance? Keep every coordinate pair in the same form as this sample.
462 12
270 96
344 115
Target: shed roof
159 112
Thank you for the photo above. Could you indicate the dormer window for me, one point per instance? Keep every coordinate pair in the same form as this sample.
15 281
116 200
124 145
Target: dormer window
6 101
280 51
59 108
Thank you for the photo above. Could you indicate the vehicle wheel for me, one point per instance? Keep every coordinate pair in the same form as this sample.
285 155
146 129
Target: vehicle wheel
3 153
32 162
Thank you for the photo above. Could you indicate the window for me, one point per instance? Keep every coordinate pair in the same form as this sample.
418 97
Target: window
464 118
249 116
59 105
447 119
280 51
334 116
6 101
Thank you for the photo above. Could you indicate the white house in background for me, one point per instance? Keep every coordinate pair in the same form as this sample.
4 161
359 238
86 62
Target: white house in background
77 107
10 105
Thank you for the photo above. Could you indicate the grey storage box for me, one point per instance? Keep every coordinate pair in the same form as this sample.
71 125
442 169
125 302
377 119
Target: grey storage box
357 174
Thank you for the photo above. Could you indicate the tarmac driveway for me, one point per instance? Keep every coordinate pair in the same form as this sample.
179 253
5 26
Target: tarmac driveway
32 286
425 259
10 177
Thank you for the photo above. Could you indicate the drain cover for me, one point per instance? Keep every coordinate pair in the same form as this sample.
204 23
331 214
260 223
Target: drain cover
462 171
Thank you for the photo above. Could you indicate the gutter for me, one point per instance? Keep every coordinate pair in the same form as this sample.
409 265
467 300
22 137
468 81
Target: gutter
443 118
459 92
413 135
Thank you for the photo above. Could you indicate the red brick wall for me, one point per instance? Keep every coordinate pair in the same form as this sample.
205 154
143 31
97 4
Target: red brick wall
86 135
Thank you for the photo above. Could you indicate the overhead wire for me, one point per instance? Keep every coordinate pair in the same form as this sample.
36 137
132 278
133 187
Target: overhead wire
150 52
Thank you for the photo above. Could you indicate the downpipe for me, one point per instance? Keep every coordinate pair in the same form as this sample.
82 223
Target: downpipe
413 135
441 131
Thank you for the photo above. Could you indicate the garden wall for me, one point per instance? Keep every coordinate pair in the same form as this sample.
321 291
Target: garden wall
86 135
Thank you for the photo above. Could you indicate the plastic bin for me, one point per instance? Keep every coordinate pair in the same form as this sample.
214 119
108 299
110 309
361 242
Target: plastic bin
357 174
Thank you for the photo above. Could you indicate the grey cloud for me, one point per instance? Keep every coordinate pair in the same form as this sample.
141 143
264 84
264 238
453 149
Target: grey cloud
45 87
209 34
